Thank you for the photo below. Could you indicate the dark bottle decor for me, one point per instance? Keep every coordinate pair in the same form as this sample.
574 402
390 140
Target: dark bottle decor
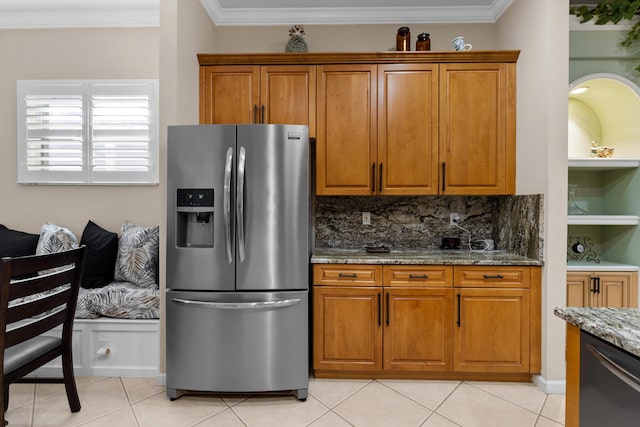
424 42
296 41
403 39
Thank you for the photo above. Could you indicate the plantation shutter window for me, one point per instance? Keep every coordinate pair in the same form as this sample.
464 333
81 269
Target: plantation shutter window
81 132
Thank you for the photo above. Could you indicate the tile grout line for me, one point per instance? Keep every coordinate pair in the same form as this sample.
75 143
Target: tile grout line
509 401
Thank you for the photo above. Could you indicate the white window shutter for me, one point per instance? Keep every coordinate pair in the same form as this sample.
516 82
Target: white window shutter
99 132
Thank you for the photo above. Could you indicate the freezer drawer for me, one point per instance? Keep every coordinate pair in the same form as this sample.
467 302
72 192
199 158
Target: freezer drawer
237 342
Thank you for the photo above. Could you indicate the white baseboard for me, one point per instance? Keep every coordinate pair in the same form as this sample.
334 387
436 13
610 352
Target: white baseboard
161 378
550 386
133 349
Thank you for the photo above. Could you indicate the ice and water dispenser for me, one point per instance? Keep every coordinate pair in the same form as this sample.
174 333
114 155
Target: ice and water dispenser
194 218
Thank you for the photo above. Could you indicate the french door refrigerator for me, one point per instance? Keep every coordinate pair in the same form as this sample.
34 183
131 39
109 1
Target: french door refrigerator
237 259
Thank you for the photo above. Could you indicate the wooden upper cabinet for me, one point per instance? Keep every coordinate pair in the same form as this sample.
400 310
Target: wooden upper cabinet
229 94
288 95
278 94
407 129
477 128
386 123
346 134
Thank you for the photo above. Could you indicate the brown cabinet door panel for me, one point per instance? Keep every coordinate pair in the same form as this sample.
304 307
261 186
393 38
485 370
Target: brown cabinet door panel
346 130
418 332
347 331
288 95
229 94
347 274
408 129
493 330
492 276
418 275
477 135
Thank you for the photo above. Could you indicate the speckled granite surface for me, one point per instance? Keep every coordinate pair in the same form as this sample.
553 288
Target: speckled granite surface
618 326
427 257
420 223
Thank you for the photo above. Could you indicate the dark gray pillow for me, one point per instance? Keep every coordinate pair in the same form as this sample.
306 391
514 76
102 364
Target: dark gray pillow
100 261
15 243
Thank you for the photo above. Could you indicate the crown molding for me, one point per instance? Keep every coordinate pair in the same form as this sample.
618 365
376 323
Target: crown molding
354 15
21 14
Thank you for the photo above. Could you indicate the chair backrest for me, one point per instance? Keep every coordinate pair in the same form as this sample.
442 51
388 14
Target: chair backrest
38 293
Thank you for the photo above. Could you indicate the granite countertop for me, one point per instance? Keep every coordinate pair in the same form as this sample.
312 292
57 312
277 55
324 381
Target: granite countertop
618 326
425 257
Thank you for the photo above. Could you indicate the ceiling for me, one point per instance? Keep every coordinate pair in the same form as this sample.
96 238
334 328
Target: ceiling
101 13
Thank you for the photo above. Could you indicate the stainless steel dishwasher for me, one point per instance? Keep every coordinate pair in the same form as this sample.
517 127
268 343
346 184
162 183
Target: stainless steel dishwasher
609 384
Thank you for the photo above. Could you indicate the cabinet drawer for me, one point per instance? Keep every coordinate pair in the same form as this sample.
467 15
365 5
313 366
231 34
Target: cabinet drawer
418 275
347 274
491 276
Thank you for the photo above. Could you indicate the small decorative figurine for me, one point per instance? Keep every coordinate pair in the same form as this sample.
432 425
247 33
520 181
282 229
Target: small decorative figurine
296 42
600 152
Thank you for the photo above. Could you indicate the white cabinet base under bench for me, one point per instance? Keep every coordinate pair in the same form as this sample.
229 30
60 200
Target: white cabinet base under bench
107 347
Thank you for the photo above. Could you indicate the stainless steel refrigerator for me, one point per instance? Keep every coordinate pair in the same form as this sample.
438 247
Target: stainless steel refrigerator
237 259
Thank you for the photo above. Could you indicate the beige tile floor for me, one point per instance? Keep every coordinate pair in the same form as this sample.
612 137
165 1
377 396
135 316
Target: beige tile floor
139 402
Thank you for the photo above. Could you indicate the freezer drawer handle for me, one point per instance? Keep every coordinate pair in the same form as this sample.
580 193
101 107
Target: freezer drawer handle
617 370
239 305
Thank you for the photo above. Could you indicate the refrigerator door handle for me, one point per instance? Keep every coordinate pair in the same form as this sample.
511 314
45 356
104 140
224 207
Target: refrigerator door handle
239 305
227 203
242 157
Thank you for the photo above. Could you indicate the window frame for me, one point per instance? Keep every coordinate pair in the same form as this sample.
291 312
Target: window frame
87 89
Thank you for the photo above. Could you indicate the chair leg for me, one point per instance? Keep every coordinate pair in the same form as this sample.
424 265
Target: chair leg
5 387
70 382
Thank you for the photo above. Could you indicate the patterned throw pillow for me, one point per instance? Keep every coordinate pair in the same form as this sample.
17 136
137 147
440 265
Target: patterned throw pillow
137 260
54 239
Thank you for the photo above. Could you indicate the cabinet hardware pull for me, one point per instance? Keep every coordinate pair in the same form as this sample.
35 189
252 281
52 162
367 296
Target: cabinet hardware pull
373 177
387 308
379 310
597 284
347 275
444 168
380 186
262 120
255 113
592 286
493 276
418 276
458 310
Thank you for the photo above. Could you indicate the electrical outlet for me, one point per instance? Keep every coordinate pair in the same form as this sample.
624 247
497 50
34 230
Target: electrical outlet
366 218
454 218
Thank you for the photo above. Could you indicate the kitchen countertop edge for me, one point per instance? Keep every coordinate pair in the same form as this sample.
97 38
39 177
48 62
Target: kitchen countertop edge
417 257
617 326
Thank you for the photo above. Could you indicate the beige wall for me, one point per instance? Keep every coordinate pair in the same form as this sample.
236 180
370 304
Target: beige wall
540 29
347 38
71 54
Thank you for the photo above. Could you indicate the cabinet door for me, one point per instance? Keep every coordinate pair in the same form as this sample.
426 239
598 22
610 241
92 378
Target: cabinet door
492 330
346 130
347 328
408 129
229 94
477 128
288 95
602 289
615 289
418 332
579 289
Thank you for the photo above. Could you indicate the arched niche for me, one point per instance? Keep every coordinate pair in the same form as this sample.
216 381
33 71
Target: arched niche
607 112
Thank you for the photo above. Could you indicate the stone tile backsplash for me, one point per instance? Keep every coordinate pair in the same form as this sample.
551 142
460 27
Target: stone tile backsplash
513 222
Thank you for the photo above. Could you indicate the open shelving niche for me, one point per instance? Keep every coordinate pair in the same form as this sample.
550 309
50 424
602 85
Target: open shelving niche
608 189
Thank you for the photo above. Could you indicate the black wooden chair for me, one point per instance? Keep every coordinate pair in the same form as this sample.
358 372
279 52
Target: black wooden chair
38 293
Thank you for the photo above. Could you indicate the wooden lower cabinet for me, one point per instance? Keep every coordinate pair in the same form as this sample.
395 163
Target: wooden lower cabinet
492 330
417 321
347 332
417 329
602 289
